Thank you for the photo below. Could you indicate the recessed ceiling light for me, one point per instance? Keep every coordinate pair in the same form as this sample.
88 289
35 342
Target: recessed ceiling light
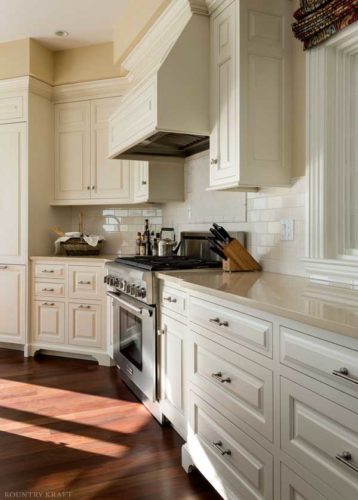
62 33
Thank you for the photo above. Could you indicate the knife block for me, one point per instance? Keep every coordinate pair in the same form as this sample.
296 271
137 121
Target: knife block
239 259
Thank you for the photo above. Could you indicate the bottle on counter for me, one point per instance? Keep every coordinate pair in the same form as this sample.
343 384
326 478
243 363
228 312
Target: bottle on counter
142 248
148 245
138 242
155 247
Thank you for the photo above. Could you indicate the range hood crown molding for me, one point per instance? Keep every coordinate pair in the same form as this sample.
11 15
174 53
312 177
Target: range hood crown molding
153 48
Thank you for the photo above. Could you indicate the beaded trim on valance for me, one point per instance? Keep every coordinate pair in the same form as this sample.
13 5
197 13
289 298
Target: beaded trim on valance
318 20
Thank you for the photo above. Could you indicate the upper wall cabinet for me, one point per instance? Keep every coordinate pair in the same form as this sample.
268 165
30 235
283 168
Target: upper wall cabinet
85 176
82 171
250 142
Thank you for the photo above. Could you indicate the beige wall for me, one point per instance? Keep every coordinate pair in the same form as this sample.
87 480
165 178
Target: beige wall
41 62
14 59
82 64
134 23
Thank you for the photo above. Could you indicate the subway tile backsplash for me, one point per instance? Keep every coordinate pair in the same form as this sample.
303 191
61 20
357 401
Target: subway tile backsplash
259 214
119 226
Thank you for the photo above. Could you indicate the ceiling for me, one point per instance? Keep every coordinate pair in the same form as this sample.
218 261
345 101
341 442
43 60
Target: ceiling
87 21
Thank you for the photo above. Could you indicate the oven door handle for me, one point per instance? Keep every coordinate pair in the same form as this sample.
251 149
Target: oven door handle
138 310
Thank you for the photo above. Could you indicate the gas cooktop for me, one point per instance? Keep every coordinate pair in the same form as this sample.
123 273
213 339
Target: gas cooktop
175 262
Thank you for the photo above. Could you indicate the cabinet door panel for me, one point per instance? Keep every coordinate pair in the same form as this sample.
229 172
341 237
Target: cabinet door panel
141 181
223 97
13 188
48 322
72 151
85 327
110 179
172 374
12 303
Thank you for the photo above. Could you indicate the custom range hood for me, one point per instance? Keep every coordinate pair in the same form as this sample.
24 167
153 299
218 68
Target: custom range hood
166 113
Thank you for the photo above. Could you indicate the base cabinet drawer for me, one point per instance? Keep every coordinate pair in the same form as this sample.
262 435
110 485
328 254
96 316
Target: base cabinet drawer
85 282
237 327
322 436
49 270
293 487
45 289
238 385
174 300
333 364
236 465
85 325
48 322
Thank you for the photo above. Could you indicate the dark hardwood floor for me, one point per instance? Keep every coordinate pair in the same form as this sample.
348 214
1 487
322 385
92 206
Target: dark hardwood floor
72 429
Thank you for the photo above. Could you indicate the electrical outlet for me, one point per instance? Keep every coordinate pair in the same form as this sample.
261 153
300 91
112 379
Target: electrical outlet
287 230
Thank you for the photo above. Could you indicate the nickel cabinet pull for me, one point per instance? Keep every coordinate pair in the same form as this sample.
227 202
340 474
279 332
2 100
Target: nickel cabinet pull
218 445
3 267
346 458
48 289
219 322
344 373
170 300
219 377
48 271
84 282
84 307
51 304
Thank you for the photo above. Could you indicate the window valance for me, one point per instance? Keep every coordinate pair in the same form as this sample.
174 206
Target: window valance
318 20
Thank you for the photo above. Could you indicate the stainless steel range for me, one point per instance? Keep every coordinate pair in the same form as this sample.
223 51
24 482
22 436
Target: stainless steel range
133 288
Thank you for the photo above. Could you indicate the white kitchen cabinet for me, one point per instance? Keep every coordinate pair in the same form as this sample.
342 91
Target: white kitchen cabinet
250 94
13 193
82 168
12 304
48 319
84 325
157 180
69 307
110 179
172 362
72 151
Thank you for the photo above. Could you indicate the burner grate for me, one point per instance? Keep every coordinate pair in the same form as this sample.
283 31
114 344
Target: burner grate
162 263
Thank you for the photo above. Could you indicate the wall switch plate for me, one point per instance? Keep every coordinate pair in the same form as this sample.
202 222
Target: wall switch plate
287 229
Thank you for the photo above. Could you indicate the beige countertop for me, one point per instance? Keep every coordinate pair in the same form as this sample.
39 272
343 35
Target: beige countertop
323 306
61 258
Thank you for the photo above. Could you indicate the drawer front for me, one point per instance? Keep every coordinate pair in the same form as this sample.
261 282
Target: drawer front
86 282
48 322
238 327
237 384
85 325
173 299
294 487
48 270
46 289
12 109
317 432
220 450
324 360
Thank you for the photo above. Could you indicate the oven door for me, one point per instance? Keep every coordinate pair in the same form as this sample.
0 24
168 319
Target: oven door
134 342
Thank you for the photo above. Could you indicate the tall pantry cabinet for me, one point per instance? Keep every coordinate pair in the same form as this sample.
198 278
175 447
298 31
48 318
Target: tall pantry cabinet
26 136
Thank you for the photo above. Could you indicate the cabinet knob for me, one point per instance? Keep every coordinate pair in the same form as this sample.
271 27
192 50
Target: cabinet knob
3 267
214 161
144 183
93 188
88 187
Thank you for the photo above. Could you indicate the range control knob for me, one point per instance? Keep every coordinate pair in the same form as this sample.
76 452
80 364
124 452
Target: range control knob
133 287
143 293
128 288
124 285
137 291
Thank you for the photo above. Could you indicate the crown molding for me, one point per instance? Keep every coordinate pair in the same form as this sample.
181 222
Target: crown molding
40 88
212 5
153 48
112 87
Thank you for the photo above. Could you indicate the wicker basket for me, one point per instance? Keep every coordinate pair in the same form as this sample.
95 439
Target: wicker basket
77 247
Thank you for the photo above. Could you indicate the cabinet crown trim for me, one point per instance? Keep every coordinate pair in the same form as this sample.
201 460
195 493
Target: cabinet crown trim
111 87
